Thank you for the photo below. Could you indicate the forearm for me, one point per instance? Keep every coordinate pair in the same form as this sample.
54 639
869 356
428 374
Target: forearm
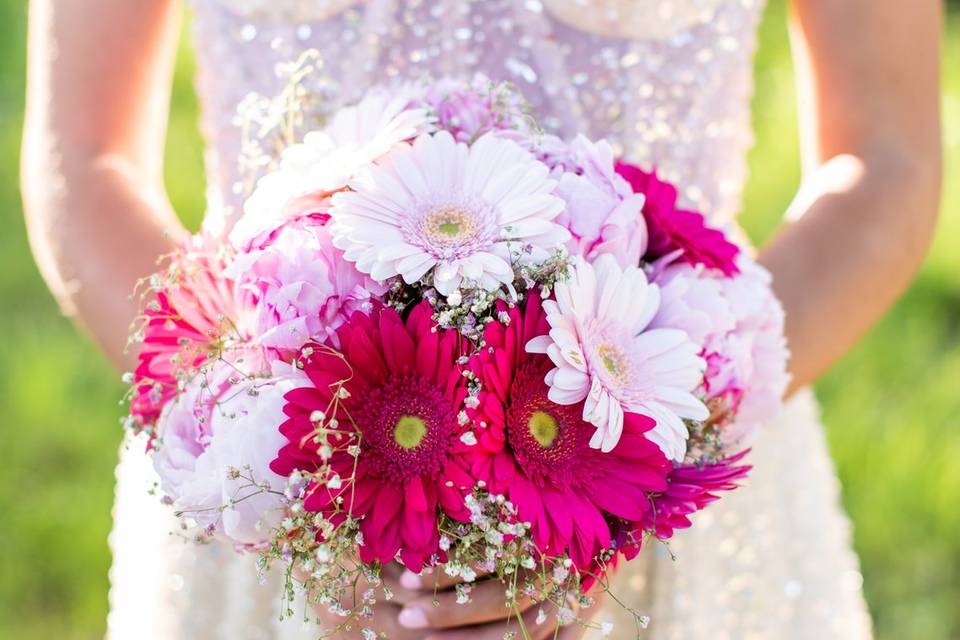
94 236
855 237
868 100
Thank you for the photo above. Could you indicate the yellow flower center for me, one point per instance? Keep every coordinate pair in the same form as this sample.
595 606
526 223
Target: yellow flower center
409 432
543 428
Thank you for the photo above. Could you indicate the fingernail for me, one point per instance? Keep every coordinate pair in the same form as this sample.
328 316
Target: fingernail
413 618
410 580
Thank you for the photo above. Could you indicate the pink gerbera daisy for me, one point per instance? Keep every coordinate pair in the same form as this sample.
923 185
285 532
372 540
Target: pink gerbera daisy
673 229
193 314
394 389
538 453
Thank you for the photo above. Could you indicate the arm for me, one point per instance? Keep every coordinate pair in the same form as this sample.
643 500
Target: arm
98 82
860 226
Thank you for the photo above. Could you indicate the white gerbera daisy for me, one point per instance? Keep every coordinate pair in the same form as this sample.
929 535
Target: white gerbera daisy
606 356
463 212
329 158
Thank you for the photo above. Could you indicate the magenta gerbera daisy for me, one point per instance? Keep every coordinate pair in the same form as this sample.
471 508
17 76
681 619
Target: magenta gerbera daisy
193 313
691 487
672 228
537 453
394 390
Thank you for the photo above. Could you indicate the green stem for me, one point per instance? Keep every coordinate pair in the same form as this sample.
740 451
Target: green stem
520 622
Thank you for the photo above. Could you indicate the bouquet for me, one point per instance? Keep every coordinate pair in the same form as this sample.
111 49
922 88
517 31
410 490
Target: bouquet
440 337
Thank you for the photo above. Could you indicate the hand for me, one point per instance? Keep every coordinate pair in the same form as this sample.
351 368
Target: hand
430 606
384 621
424 607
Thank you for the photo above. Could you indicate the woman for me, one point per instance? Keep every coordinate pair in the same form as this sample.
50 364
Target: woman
669 82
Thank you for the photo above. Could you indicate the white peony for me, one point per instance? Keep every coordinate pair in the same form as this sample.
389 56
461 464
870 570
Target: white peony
216 442
328 159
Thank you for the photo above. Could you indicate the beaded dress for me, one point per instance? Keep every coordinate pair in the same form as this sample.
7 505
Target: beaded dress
669 83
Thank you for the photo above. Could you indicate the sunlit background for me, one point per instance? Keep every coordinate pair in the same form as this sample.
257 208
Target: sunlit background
891 406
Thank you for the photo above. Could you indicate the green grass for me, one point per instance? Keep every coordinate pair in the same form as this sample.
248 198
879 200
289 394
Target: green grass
891 405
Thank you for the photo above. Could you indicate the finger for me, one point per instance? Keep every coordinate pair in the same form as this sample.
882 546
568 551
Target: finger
407 586
571 632
350 598
487 603
384 620
433 579
545 630
392 578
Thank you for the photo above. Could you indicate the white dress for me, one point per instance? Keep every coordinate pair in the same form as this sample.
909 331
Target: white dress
669 82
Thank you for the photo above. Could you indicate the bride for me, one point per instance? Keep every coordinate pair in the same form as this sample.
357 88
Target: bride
669 81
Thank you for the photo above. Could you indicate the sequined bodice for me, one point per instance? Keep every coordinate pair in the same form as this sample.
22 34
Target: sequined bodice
667 81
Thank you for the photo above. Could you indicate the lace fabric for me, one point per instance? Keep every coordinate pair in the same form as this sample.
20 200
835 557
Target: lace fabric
669 83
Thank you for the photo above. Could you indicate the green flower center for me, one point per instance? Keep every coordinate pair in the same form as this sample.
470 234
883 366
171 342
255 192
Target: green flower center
613 361
543 428
449 225
409 432
451 229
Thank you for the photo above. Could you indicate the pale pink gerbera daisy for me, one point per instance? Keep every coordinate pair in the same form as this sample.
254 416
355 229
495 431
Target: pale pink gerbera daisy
537 453
329 158
605 355
464 212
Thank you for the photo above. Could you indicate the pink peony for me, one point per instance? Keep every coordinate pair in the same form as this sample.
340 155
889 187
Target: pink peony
602 213
537 453
214 445
469 110
306 289
750 369
314 207
672 229
403 392
195 312
738 324
183 436
692 300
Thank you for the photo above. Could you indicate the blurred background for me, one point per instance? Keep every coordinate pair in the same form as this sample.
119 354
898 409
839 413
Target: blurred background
892 406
